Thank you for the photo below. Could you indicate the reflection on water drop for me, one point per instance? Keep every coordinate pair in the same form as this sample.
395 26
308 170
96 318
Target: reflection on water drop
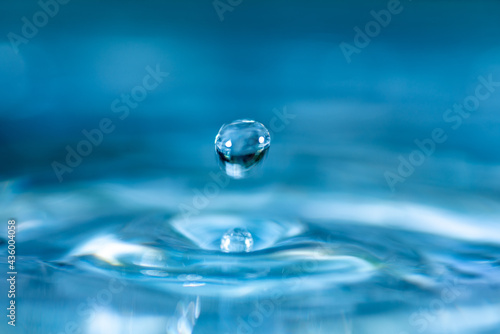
236 240
241 145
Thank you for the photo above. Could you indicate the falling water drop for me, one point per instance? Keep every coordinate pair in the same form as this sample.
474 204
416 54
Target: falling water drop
241 145
236 240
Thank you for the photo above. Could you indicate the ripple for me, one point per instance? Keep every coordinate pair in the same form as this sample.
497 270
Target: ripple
178 253
283 252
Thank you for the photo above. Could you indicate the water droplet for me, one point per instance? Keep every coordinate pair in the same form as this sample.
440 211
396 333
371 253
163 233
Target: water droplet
236 240
241 145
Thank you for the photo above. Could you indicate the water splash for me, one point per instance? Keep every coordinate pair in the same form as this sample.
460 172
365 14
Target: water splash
236 240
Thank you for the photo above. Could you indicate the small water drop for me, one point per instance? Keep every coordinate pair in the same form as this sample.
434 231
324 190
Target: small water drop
241 145
236 240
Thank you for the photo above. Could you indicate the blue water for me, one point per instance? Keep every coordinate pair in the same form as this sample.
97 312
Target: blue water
376 210
115 259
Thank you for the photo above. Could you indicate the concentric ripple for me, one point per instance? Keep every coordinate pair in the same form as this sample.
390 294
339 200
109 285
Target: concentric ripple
189 251
340 255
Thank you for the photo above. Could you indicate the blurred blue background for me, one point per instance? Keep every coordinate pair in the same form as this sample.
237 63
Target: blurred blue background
263 55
